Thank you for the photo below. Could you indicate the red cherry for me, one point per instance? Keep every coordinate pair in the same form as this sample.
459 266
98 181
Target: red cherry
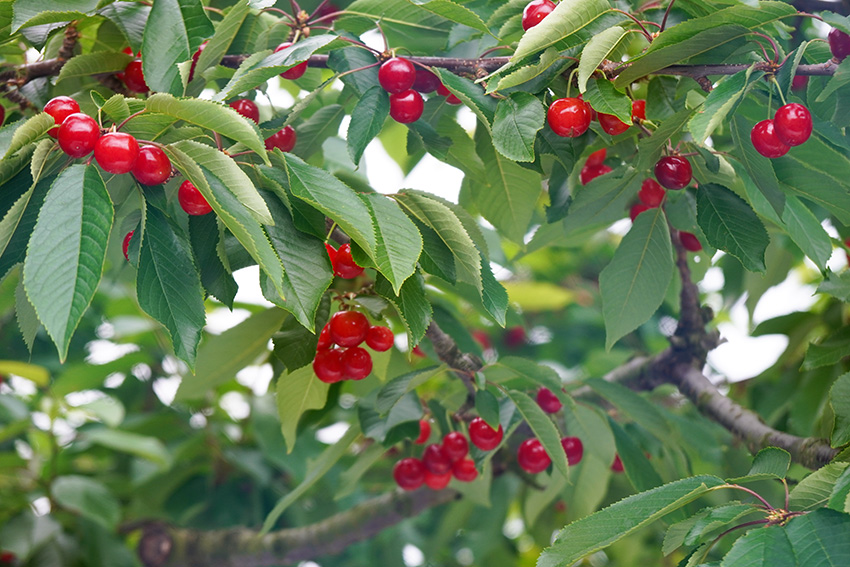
293 72
839 44
356 363
191 199
483 436
397 75
437 481
638 110
331 252
116 152
418 352
436 460
426 81
328 366
6 556
569 117
482 338
792 124
651 193
59 108
673 172
588 174
766 142
573 448
424 432
636 210
406 107
247 108
134 78
329 11
597 158
125 246
799 82
455 446
379 338
515 337
548 401
344 265
532 456
452 99
409 473
152 166
535 11
464 470
78 135
617 465
195 57
348 328
325 341
282 139
442 90
690 241
611 124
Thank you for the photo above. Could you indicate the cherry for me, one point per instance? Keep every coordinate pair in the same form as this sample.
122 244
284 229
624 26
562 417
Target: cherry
792 124
282 139
356 363
690 242
442 90
638 110
125 246
134 78
673 172
482 338
651 193
425 81
247 108
569 117
328 366
455 446
548 401
191 199
328 11
331 252
483 436
325 341
574 449
637 209
617 465
406 107
293 72
588 174
437 481
116 152
766 142
379 338
597 158
344 265
452 99
532 456
7 557
611 124
409 473
839 44
152 166
424 432
195 57
515 337
535 11
78 135
397 75
59 108
436 460
464 470
348 328
799 82
418 352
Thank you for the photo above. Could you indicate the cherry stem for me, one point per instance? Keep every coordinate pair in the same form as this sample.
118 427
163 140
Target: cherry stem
246 152
123 122
778 89
787 494
666 13
218 141
732 529
493 49
358 44
215 10
330 16
646 34
295 7
772 44
383 36
356 70
282 13
748 491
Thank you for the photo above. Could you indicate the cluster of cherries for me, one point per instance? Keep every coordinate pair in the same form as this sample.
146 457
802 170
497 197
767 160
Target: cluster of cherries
405 83
348 330
442 461
790 126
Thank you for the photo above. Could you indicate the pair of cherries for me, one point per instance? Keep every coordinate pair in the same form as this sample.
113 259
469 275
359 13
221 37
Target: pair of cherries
480 433
283 139
348 330
533 458
571 117
790 126
405 83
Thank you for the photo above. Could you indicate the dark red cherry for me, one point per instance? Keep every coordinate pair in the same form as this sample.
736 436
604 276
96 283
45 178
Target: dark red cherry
424 432
535 11
356 363
78 135
406 107
617 465
348 328
295 72
597 158
799 82
455 446
611 124
116 152
436 460
409 473
839 44
792 124
247 108
282 139
483 436
464 470
134 78
344 265
689 241
569 117
532 457
152 166
59 108
380 338
328 366
426 81
651 193
397 75
766 142
191 199
125 246
573 448
548 401
673 172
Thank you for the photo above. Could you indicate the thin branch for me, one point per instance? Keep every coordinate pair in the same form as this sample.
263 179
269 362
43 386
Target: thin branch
465 365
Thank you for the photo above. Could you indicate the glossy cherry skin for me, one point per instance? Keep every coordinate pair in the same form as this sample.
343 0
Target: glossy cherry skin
535 11
574 449
792 124
437 481
406 107
344 265
282 139
436 460
356 363
246 108
152 166
548 401
464 470
839 44
597 158
78 135
424 432
689 241
766 142
134 78
611 124
348 328
799 82
191 200
328 366
325 341
59 108
397 75
195 57
380 338
125 245
409 473
588 174
483 436
637 209
295 72
569 117
617 465
455 446
673 172
638 110
532 456
426 81
116 152
651 193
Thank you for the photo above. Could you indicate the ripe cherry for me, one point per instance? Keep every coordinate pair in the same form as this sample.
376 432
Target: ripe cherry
455 446
588 174
409 473
792 124
116 152
464 470
638 110
418 351
348 328
515 337
282 139
437 481
328 366
247 108
673 172
380 338
569 117
482 338
78 135
597 158
483 436
191 199
406 106
765 141
689 241
452 99
125 246
59 108
152 166
442 90
548 401
617 465
651 193
331 253
325 341
839 44
195 57
397 75
637 209
295 72
134 78
344 265
532 456
424 432
436 460
356 363
426 81
611 124
535 11
574 449
799 82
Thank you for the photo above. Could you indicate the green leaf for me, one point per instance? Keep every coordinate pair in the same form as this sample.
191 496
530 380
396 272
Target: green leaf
635 283
836 285
149 448
130 18
26 316
398 242
635 463
603 200
839 400
212 116
411 304
634 406
350 58
730 224
487 407
84 376
38 374
403 22
222 356
603 97
829 351
66 251
806 231
820 539
323 124
596 51
517 120
394 390
298 392
702 524
88 498
565 20
840 80
543 429
36 12
814 491
215 276
87 64
839 499
597 531
168 284
764 547
30 131
649 149
769 463
455 12
721 102
367 119
225 32
471 94
759 167
295 345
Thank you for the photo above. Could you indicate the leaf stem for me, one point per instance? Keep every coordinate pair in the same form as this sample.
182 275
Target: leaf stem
123 122
666 13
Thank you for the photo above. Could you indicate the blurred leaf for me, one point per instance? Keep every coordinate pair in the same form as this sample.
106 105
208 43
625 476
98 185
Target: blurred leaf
143 446
38 374
395 389
535 296
636 465
829 351
839 400
87 497
297 392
